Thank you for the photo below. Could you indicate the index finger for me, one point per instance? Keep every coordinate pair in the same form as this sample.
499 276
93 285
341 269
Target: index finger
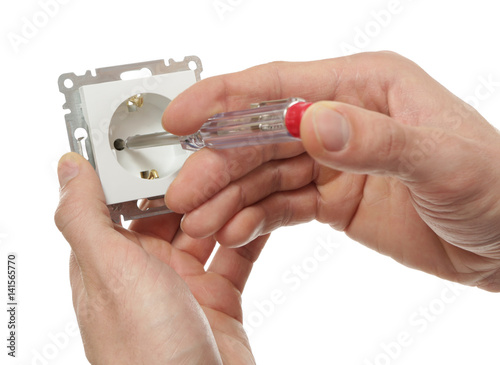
342 79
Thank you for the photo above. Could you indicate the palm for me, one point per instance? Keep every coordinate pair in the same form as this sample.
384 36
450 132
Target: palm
378 212
145 271
217 289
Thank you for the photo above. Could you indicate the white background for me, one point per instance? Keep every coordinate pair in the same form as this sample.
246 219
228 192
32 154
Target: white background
349 306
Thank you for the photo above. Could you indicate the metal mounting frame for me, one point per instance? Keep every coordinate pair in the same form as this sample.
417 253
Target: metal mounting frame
70 84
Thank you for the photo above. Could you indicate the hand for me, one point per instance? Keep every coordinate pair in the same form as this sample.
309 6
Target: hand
142 296
392 158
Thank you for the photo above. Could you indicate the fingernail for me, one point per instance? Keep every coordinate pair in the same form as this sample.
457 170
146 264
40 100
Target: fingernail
68 168
332 129
182 222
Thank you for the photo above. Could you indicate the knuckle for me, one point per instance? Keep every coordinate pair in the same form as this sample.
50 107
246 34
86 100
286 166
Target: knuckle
241 196
286 212
391 55
277 178
64 211
394 58
393 142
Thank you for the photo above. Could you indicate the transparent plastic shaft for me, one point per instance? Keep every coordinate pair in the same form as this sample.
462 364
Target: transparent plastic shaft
261 125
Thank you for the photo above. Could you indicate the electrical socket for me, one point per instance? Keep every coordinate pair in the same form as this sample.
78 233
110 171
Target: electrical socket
122 101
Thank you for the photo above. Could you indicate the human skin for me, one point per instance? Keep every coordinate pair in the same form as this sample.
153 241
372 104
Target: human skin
142 295
388 155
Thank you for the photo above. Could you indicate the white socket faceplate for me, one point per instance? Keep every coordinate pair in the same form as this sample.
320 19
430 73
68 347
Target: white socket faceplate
108 119
100 107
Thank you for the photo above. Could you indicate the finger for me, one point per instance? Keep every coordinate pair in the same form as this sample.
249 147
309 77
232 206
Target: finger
235 264
82 215
164 226
343 79
279 209
237 91
352 139
279 175
207 172
200 249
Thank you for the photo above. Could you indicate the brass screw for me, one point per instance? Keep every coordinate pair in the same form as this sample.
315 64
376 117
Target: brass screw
135 102
153 175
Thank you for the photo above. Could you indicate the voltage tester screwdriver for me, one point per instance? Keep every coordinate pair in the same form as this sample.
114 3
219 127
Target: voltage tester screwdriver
266 122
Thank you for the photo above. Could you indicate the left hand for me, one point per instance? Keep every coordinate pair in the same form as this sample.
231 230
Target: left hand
142 295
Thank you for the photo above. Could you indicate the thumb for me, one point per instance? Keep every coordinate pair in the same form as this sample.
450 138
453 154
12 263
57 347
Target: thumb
349 138
82 215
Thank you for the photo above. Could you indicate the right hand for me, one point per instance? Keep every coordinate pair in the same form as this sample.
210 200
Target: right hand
390 157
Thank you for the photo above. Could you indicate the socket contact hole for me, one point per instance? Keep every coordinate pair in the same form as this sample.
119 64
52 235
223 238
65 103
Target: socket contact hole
119 144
